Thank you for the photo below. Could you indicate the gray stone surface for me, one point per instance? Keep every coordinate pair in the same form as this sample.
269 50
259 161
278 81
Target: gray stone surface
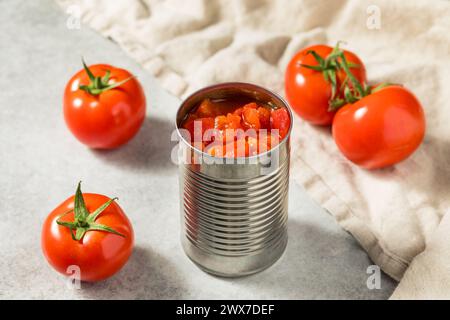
40 164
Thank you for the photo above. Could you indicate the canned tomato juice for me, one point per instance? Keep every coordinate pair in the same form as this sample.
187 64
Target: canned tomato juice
233 211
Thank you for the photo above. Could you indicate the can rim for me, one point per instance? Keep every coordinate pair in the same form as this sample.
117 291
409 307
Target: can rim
234 84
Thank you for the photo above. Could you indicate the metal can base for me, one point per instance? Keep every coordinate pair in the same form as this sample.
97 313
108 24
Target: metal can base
235 267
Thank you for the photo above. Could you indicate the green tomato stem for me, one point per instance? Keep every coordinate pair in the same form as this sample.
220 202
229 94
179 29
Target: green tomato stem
329 66
83 220
98 85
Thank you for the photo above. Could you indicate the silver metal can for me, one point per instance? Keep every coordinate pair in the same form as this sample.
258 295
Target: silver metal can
234 211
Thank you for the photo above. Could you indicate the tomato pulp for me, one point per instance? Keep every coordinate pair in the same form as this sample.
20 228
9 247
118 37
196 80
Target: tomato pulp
236 127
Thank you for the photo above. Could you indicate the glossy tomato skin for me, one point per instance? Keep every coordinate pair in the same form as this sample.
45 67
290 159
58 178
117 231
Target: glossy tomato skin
98 254
307 92
107 120
381 129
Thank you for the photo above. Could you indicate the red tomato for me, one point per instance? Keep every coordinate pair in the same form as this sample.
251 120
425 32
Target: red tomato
238 148
104 111
250 117
251 105
238 112
308 92
264 117
206 109
252 147
280 120
198 126
381 129
272 141
102 250
220 122
234 121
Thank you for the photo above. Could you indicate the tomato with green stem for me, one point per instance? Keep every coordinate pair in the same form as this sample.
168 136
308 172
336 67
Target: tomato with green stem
104 106
314 81
380 126
380 129
89 231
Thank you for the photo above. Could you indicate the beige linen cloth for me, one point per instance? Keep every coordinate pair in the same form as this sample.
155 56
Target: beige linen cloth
396 214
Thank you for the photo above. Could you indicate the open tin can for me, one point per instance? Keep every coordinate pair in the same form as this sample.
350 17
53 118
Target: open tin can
234 211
